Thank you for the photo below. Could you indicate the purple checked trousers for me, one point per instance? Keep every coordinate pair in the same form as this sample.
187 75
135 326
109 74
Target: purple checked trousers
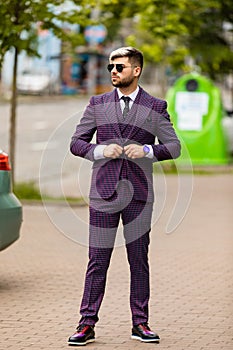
104 220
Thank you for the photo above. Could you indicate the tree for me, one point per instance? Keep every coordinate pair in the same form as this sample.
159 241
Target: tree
170 31
18 20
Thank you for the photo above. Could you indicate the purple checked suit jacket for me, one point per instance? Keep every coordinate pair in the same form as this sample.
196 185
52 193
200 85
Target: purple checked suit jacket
147 119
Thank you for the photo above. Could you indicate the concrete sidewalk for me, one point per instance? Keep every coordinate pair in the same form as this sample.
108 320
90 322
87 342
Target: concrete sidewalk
41 279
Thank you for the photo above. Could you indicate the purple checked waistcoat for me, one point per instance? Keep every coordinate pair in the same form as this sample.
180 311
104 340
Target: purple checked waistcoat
147 120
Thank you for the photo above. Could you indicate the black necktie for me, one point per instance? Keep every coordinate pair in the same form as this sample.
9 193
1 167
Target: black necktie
126 99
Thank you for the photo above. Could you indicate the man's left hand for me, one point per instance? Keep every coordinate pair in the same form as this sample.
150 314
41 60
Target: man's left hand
134 151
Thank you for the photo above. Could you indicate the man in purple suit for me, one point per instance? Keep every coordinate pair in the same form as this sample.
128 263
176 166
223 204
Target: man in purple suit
127 122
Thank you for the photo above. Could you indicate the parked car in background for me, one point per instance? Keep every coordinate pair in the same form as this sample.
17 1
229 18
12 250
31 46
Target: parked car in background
228 128
37 82
10 206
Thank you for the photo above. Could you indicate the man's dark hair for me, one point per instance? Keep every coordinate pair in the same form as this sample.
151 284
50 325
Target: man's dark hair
135 56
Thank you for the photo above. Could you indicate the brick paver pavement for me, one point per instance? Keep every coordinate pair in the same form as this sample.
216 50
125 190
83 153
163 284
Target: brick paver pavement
41 279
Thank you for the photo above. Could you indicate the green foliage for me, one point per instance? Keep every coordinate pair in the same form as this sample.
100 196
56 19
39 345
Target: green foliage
19 20
167 31
170 31
27 190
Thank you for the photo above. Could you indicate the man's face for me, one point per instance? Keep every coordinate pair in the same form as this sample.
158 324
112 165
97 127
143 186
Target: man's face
128 75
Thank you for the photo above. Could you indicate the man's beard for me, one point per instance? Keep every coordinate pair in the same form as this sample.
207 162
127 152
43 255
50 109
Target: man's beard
124 82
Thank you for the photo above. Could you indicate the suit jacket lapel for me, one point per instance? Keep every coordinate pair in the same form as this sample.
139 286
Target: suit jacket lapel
112 110
139 112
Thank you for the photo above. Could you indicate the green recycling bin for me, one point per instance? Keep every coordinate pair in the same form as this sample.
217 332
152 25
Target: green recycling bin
10 206
195 105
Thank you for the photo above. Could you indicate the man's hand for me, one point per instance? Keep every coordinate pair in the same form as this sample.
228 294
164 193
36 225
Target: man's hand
113 151
134 151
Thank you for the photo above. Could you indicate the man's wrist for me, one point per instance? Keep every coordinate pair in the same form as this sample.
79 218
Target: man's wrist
148 151
99 152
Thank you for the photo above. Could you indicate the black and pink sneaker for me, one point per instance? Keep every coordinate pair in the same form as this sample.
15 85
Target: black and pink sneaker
85 334
143 333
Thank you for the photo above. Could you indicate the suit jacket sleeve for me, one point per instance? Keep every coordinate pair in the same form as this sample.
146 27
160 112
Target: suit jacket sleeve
169 145
81 140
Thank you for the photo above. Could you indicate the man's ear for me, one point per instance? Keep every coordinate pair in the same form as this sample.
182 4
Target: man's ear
137 71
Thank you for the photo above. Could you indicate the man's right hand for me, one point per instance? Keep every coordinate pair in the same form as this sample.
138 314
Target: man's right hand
113 151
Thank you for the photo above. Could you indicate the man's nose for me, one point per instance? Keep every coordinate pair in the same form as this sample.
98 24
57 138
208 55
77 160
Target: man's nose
114 70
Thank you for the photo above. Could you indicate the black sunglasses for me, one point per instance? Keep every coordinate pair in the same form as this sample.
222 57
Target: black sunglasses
119 67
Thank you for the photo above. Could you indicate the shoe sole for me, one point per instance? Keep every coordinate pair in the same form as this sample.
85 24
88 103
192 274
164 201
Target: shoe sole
135 337
81 344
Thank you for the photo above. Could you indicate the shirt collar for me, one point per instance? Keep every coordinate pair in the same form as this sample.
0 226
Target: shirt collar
132 95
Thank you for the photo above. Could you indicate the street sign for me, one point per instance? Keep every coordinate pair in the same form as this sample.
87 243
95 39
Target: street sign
95 34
